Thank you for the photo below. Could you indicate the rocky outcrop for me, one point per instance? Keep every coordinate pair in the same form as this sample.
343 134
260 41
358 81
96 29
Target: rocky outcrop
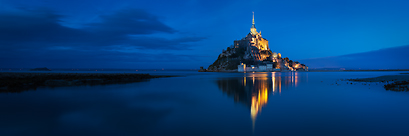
252 50
230 58
247 53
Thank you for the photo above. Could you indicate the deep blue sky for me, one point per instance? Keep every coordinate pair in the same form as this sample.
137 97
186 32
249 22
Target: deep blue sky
189 33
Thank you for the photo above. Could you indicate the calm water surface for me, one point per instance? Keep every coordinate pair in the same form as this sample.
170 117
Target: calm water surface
211 104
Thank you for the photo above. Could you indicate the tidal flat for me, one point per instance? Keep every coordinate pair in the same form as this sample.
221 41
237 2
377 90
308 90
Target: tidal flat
393 82
17 82
212 103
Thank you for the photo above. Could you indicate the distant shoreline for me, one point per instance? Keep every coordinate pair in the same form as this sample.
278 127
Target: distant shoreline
381 70
356 70
17 82
235 71
394 82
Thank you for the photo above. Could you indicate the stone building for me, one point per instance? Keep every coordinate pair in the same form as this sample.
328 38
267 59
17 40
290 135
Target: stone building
255 43
253 54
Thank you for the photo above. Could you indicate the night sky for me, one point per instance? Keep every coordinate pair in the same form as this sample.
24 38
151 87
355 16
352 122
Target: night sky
186 34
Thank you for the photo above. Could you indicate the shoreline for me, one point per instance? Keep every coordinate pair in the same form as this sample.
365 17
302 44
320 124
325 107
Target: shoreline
235 71
18 82
393 82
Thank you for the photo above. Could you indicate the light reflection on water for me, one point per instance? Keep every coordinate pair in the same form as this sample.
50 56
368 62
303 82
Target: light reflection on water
203 104
253 90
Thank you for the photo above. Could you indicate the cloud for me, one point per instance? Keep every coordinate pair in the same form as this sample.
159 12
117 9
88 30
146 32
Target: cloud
163 43
388 58
34 26
131 21
37 36
42 28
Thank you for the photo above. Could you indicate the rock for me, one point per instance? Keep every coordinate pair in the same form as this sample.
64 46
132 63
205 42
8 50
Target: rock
40 69
202 70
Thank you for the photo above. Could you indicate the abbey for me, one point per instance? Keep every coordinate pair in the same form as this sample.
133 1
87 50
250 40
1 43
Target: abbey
252 53
255 41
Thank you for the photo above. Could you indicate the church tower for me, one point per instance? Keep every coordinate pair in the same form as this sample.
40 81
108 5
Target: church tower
253 29
256 39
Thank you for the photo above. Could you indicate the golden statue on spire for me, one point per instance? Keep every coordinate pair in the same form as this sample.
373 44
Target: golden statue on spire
253 29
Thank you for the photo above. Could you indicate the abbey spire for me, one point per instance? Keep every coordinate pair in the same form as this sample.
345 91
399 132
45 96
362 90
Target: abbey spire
253 22
253 29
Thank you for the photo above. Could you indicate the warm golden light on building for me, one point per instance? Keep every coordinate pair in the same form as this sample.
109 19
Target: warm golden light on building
275 55
257 40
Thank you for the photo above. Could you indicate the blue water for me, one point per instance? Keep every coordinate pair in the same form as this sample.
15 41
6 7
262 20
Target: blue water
212 104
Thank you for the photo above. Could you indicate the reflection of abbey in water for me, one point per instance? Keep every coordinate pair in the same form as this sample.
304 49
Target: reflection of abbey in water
254 91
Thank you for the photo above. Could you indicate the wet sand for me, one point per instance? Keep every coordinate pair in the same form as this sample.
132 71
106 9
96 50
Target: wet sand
394 82
17 82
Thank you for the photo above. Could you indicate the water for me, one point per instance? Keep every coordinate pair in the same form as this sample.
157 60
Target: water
303 103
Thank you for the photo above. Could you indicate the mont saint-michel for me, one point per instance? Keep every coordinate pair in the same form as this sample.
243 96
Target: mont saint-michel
131 68
253 54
